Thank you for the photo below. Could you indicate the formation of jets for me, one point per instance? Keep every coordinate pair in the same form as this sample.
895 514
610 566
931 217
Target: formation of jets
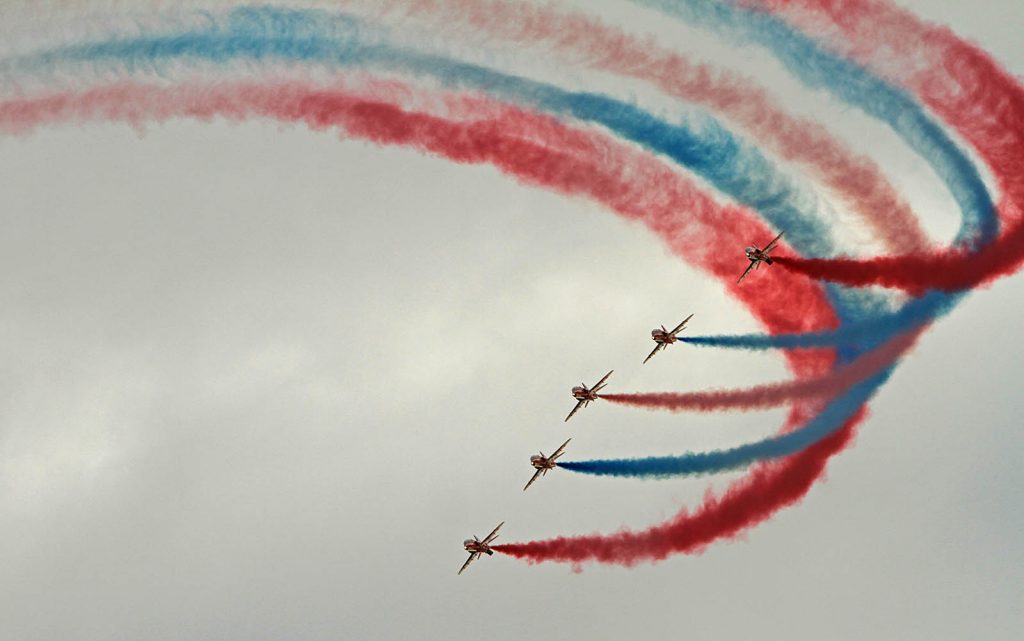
584 395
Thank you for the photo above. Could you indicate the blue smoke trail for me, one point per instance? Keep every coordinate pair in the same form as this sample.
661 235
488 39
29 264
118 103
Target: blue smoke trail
660 467
862 336
857 86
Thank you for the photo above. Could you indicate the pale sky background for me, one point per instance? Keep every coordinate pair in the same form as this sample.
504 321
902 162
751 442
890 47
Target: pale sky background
258 383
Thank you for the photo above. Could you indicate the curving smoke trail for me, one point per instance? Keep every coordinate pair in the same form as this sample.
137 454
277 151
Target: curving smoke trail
544 151
957 80
744 504
582 39
532 147
773 395
861 335
974 94
948 271
858 87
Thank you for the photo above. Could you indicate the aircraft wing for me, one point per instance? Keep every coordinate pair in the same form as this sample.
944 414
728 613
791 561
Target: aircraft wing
560 450
654 351
772 244
579 404
749 267
473 556
533 478
494 534
598 385
680 326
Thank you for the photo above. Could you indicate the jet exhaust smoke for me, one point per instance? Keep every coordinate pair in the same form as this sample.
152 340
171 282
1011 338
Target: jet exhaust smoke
773 395
615 164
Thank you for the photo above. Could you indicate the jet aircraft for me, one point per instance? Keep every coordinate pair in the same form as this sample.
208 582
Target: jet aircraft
663 337
476 547
584 394
544 463
757 256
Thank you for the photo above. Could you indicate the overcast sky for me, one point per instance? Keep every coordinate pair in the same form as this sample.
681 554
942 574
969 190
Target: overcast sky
259 383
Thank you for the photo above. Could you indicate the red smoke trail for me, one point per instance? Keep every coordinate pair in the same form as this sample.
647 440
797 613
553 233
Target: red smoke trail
969 90
535 149
631 182
587 40
949 272
762 396
959 81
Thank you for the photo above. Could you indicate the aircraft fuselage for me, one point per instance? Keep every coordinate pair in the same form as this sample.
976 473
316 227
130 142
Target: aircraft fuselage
542 462
753 253
662 336
476 546
583 394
